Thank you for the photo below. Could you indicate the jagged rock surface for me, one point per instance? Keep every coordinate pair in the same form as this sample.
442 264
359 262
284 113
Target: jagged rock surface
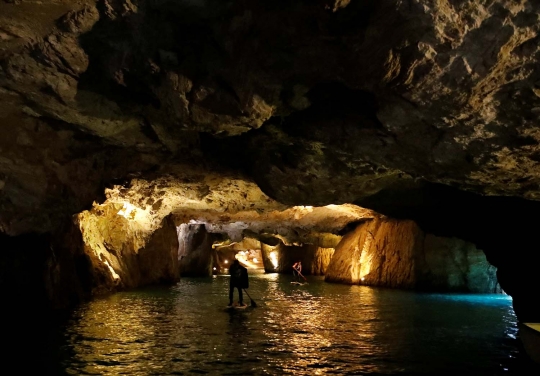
370 102
125 252
315 260
195 252
396 253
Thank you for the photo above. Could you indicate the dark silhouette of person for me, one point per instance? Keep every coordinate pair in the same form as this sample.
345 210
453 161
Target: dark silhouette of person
297 269
239 280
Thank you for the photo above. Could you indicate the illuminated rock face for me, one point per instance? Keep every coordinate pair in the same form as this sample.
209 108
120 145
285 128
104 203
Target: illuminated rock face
125 253
280 258
316 259
396 253
327 103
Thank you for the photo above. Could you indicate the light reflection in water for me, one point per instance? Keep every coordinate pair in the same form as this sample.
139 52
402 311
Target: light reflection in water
317 328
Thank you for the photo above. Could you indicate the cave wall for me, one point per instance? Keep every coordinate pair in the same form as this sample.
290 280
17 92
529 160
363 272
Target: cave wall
451 263
195 252
284 255
398 254
314 259
70 277
84 103
158 259
270 257
22 267
127 253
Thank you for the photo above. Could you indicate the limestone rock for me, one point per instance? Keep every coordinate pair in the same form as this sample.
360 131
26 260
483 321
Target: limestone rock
127 253
158 259
195 252
453 264
377 103
315 260
396 253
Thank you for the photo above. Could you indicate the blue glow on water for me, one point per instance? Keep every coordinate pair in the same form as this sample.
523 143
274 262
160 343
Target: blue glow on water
314 329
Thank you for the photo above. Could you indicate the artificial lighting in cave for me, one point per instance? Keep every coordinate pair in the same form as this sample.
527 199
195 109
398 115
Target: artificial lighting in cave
113 273
300 211
365 259
128 211
273 258
226 261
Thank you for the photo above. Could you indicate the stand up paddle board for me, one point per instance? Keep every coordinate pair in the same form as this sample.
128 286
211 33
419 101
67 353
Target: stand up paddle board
237 306
298 283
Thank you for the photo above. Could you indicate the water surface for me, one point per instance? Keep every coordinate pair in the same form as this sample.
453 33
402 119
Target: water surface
314 329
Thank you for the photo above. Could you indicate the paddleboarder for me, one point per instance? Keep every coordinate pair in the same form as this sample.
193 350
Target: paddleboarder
297 270
239 280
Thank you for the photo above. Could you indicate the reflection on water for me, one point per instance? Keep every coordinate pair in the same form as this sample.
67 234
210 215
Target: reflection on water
315 329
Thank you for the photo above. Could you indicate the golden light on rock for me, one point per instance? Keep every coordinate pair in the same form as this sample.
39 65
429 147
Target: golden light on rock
113 273
273 259
365 258
128 211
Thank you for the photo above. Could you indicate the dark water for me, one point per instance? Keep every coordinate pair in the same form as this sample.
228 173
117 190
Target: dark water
315 329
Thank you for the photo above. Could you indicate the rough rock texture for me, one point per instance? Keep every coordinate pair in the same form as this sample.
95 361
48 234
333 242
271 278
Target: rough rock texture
126 253
158 259
315 260
416 109
396 253
195 251
228 204
451 263
245 251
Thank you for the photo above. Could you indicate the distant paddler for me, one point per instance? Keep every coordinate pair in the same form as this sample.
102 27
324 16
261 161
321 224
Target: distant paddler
297 271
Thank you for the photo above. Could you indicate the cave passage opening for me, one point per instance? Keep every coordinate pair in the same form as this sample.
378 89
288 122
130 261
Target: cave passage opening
158 231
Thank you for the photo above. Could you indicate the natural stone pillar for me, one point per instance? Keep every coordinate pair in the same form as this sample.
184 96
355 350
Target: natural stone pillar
266 253
195 253
396 253
377 255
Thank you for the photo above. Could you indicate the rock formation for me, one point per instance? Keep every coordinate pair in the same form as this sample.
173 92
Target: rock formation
125 251
195 252
398 254
420 110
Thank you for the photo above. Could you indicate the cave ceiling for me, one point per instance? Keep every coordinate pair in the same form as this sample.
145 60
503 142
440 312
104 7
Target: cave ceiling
403 106
226 204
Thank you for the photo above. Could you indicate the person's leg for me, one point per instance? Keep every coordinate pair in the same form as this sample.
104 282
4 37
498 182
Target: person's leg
240 296
231 292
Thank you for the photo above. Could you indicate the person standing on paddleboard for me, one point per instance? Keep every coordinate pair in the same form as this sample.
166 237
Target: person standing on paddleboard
239 280
297 269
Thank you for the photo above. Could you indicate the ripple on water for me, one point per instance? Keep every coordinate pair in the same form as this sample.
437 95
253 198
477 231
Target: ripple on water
315 329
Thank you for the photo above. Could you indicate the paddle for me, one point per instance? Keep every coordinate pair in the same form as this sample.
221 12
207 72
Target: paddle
301 275
253 304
